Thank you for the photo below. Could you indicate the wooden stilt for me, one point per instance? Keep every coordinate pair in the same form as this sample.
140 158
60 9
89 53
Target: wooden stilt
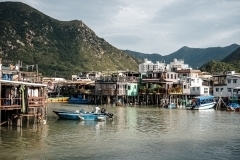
108 100
21 121
10 123
147 98
18 122
177 104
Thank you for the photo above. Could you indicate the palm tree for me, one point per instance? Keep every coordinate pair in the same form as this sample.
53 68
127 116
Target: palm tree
158 88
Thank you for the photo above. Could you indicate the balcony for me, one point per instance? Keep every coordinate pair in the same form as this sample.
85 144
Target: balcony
16 103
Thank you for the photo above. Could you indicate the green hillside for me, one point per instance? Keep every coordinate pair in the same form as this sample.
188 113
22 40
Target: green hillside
229 63
233 57
62 47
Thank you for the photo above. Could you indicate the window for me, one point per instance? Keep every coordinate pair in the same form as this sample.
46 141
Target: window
198 88
185 86
135 86
171 76
205 90
234 80
129 87
229 81
203 101
193 88
229 90
221 89
217 89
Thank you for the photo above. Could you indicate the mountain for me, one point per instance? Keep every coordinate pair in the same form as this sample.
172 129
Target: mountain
229 63
234 56
195 57
58 47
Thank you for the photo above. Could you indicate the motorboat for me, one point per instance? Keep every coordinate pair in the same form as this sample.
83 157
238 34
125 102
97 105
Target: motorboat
96 115
202 103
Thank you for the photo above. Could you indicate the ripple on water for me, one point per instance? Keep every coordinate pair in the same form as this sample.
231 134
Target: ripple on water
134 133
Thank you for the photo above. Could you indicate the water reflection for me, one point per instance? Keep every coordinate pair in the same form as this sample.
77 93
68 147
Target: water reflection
144 132
97 125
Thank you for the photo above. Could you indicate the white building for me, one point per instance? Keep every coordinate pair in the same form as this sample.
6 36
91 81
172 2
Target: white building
175 75
227 85
177 65
196 87
192 83
150 66
162 66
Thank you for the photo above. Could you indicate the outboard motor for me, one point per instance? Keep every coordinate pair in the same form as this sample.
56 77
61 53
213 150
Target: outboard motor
110 115
104 111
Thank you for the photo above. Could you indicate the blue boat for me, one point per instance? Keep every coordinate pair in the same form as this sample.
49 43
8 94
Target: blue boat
92 116
70 115
202 103
78 100
82 115
233 106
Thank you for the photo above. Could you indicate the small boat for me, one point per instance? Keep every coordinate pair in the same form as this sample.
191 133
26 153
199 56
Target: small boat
78 100
82 115
69 115
233 106
202 103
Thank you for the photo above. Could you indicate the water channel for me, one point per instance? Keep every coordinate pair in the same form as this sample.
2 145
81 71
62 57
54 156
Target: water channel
140 132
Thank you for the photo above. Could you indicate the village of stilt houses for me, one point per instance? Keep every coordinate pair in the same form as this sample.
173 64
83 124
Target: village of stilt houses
26 93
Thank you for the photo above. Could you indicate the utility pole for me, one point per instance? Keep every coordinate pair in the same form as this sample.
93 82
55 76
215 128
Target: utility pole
37 71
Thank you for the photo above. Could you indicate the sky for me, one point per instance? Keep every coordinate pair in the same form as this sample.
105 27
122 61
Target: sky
152 26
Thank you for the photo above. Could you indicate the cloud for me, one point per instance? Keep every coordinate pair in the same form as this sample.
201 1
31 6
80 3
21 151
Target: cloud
153 26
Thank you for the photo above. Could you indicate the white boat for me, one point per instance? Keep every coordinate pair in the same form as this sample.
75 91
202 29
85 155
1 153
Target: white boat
202 103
